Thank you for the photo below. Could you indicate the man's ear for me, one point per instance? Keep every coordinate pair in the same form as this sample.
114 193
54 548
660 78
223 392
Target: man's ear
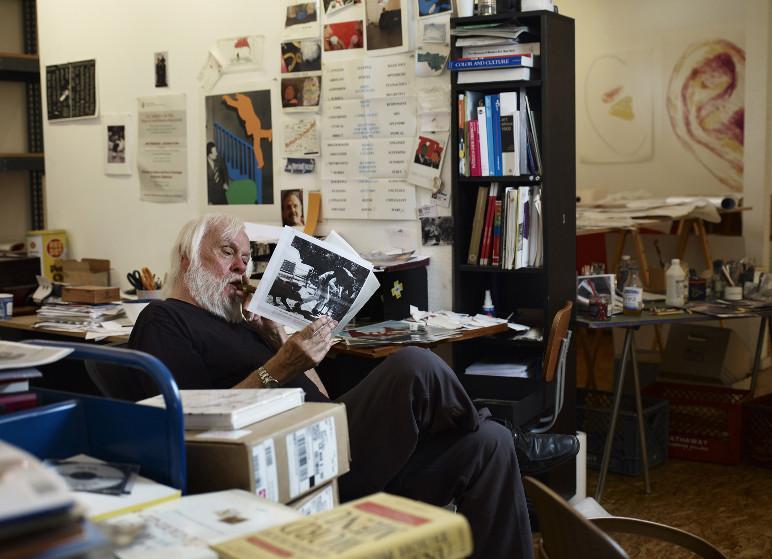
184 263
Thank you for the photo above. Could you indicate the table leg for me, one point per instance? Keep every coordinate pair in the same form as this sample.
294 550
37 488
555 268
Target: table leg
620 250
757 354
614 413
643 262
641 419
684 226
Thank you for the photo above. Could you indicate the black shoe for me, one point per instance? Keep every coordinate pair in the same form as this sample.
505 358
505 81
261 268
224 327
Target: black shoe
539 453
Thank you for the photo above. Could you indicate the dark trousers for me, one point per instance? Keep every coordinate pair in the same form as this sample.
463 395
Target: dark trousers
415 432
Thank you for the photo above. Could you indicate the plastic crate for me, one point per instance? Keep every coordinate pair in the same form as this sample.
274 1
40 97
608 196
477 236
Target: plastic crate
757 431
593 415
705 421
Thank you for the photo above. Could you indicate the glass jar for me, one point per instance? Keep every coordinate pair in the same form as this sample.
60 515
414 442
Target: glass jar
486 7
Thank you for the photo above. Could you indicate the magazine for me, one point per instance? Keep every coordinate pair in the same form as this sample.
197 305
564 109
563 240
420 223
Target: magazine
307 278
396 332
15 355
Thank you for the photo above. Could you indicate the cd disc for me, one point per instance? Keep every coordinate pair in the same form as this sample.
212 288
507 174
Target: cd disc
94 477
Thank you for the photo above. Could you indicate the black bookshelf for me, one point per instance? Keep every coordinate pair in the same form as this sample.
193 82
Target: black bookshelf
532 295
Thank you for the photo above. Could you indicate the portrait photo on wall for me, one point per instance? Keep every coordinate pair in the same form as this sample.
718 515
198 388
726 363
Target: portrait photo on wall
437 230
116 160
386 30
346 35
239 148
433 7
292 213
301 94
304 55
301 13
161 68
333 6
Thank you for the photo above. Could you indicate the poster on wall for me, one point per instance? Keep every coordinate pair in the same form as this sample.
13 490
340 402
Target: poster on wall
301 18
386 27
116 152
162 148
71 91
239 148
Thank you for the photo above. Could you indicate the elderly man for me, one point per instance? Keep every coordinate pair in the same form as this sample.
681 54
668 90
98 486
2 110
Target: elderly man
413 429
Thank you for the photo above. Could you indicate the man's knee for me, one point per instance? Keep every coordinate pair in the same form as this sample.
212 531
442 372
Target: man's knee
411 363
495 441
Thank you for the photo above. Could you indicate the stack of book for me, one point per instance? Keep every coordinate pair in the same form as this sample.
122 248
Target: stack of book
492 53
14 390
75 317
507 232
497 135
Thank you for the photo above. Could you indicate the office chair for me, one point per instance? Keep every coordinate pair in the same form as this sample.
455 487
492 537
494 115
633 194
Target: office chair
567 534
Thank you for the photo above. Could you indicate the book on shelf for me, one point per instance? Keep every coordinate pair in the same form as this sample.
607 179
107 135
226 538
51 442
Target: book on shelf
502 50
496 249
475 164
490 210
491 123
14 386
463 141
510 164
498 30
535 252
232 408
533 139
379 525
477 225
510 228
482 127
17 401
493 75
488 62
521 255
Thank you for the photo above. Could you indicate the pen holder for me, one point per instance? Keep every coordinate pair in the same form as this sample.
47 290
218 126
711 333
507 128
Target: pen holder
149 294
733 293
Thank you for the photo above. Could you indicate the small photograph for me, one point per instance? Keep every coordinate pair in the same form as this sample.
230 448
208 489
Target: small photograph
384 24
435 31
591 288
240 54
301 93
300 14
313 281
116 144
161 62
433 7
430 60
429 152
332 6
301 56
437 230
292 208
346 35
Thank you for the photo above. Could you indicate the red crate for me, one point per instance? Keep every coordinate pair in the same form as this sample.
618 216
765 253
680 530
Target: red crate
705 421
757 431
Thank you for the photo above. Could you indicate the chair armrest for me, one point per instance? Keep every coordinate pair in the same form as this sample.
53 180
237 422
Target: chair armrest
662 532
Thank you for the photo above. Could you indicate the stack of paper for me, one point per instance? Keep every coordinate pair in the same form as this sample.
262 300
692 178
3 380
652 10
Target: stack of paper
69 317
511 370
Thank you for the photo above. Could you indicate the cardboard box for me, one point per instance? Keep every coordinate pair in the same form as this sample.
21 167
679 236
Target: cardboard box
319 500
91 294
51 247
280 458
87 271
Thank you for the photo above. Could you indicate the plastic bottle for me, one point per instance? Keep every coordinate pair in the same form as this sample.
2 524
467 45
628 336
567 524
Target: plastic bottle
632 295
622 270
675 285
487 307
717 281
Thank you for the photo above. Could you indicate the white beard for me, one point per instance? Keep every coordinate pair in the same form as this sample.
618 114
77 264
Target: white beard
209 292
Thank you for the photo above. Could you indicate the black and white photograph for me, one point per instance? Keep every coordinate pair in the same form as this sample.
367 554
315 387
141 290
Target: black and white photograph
71 90
116 144
333 6
437 230
307 278
161 66
116 159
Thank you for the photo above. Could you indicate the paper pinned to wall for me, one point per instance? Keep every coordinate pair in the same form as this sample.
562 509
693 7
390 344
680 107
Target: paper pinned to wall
162 148
370 118
210 72
301 18
301 137
388 76
116 153
427 158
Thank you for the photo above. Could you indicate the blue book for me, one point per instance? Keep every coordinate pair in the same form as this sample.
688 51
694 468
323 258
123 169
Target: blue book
489 62
489 125
496 124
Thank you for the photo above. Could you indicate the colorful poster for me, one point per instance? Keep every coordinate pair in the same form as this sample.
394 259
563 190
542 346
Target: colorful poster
239 148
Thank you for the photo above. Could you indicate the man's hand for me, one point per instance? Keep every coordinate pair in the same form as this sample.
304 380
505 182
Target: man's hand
272 333
303 350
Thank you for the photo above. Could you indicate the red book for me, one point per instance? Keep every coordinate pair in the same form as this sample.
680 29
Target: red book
496 250
20 401
485 251
474 148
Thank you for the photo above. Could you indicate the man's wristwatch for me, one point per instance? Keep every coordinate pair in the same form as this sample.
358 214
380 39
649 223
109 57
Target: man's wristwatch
267 380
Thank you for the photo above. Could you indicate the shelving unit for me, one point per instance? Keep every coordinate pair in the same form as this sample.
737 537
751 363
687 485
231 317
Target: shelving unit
533 295
24 67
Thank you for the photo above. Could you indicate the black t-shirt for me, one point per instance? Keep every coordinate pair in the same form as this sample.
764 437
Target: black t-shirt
203 350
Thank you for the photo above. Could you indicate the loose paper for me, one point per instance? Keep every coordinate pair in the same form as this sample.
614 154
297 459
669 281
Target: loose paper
387 76
370 118
301 137
428 155
162 146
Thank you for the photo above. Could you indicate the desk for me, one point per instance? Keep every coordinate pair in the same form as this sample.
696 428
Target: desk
26 323
631 324
377 352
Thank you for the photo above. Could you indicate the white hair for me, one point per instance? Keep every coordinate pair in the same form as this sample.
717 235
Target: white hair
188 243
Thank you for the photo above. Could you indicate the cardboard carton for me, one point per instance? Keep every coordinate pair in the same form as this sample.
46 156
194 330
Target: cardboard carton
91 294
319 500
87 271
280 458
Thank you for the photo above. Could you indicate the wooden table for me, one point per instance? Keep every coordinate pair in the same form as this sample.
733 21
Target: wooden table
377 352
20 324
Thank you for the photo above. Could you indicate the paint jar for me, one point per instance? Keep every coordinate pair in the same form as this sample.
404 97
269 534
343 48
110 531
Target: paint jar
486 7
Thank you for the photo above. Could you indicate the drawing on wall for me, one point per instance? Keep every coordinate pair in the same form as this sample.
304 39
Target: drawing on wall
705 104
239 148
240 54
618 106
301 56
386 27
343 36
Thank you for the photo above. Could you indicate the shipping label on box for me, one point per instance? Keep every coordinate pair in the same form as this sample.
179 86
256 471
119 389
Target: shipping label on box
281 458
319 500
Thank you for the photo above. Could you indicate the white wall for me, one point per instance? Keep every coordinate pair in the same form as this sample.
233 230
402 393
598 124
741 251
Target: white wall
103 215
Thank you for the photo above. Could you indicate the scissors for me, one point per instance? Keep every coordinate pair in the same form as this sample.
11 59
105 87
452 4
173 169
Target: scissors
135 279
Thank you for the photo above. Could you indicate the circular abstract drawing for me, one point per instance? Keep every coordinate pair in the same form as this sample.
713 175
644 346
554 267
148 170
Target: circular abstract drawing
705 103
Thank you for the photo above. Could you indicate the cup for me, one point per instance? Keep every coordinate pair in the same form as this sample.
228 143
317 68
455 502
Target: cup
733 293
465 8
6 306
143 295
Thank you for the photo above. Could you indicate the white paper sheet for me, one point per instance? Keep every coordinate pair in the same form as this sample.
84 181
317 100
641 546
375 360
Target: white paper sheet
388 76
378 117
387 199
372 158
301 137
162 144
